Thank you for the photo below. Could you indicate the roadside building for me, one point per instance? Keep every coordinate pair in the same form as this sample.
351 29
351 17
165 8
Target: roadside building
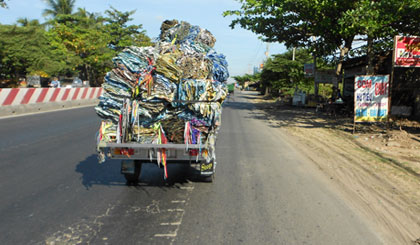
405 93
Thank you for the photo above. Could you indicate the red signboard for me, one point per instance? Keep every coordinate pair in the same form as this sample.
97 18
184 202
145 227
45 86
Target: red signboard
407 51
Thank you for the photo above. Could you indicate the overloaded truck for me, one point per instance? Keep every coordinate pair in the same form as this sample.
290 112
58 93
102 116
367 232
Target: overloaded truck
163 104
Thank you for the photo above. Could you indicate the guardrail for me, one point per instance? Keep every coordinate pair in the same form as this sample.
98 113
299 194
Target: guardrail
28 100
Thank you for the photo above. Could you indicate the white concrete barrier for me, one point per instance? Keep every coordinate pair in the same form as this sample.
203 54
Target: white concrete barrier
15 101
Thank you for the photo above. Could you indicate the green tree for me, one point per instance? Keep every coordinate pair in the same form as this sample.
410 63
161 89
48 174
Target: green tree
282 72
85 44
3 4
293 22
122 34
333 23
25 50
57 7
85 39
27 22
241 80
379 21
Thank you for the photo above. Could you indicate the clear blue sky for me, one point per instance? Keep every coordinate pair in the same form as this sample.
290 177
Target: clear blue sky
242 48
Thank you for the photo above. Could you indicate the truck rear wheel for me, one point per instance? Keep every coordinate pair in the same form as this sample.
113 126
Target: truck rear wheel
207 178
134 178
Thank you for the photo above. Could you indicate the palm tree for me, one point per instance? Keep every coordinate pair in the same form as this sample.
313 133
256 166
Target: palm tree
82 12
27 22
3 4
57 7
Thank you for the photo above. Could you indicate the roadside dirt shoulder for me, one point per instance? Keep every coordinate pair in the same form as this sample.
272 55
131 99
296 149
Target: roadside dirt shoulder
376 171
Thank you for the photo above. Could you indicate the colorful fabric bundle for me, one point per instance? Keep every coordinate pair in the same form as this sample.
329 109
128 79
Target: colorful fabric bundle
170 93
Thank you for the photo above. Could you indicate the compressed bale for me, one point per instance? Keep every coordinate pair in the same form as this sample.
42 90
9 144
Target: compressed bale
194 66
166 25
166 65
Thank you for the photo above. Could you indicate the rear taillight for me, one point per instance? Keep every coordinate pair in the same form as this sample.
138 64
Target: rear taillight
193 152
124 151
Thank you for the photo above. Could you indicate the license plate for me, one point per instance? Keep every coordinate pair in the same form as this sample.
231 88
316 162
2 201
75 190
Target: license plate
127 167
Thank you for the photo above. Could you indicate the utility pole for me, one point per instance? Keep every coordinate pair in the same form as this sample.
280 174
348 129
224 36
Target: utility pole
267 50
294 54
316 84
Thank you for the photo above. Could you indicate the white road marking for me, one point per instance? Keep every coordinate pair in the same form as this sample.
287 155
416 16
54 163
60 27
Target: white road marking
178 201
172 236
166 235
174 223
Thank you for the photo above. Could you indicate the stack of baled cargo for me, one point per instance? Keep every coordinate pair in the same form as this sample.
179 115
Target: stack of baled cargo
169 93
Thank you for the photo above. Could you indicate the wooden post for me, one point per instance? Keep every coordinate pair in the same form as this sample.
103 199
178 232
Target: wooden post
354 110
391 81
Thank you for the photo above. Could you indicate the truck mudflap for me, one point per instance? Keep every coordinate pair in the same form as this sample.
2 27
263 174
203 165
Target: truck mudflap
207 168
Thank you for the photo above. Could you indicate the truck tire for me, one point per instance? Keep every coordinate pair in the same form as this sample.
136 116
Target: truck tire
134 178
207 178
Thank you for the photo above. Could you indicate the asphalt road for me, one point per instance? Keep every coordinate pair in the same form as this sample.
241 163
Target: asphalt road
265 192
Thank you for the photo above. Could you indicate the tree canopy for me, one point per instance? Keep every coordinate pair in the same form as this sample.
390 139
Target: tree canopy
281 71
26 50
334 24
3 4
123 34
56 7
72 43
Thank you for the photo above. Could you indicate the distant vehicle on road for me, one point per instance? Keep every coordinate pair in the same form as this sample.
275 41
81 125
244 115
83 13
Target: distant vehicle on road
231 88
77 83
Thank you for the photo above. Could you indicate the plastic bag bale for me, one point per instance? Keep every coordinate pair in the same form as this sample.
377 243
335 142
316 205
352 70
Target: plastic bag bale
209 110
144 135
166 47
114 89
193 33
166 25
131 61
218 91
192 47
188 115
106 101
174 129
196 89
220 66
162 89
178 32
202 90
108 131
145 54
113 79
125 74
108 113
205 37
166 65
115 97
154 107
194 66
149 113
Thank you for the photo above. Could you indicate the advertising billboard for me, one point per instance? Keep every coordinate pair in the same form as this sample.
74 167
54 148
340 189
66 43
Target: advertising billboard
407 51
371 97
